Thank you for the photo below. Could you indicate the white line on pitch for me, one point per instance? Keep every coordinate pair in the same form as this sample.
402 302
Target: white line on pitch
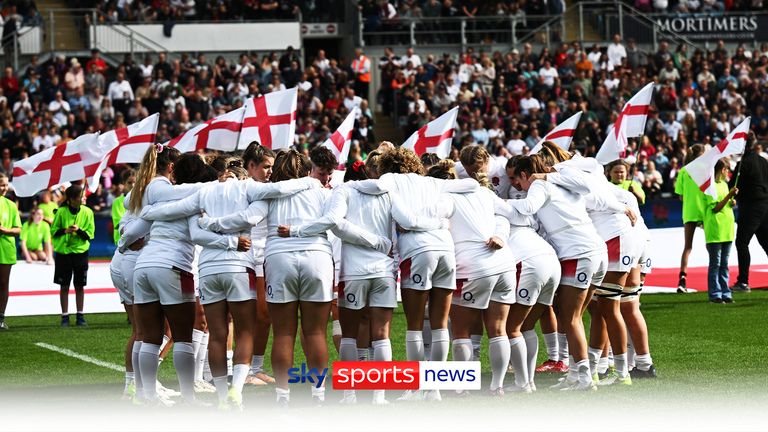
82 357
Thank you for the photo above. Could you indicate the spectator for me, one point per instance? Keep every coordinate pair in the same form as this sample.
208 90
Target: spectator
10 227
616 51
35 238
120 93
72 231
718 233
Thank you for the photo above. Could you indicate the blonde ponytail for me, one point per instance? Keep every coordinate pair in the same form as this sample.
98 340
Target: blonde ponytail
147 171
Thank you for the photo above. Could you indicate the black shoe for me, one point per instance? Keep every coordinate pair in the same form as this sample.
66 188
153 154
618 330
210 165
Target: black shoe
681 289
65 320
728 300
740 287
716 300
81 320
3 325
637 373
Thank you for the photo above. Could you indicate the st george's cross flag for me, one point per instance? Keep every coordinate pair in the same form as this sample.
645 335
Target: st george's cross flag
341 140
702 169
629 124
53 166
562 134
270 120
219 133
435 136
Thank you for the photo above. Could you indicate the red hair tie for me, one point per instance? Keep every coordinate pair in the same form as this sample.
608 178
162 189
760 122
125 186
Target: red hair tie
159 148
356 166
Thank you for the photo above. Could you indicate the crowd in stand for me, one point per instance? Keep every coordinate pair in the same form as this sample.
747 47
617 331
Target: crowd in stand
508 99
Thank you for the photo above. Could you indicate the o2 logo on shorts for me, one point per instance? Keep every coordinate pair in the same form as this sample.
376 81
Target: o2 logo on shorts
417 279
468 297
626 260
269 291
524 294
648 263
351 298
581 277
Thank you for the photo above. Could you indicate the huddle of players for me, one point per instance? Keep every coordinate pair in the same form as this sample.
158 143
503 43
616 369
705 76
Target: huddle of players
273 232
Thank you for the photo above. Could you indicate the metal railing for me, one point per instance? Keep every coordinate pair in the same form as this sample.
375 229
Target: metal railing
504 29
120 33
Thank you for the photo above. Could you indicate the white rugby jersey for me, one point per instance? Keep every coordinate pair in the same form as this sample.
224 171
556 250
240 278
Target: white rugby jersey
627 198
364 224
473 222
297 209
217 199
497 174
605 210
563 215
523 236
169 243
421 195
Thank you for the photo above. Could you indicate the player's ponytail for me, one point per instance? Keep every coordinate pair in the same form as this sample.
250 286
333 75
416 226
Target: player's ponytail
289 165
551 154
156 160
473 156
445 169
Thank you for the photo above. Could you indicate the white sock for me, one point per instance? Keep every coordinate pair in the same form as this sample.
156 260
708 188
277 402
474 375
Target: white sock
148 365
573 370
201 356
137 369
518 356
207 375
197 338
221 387
462 349
602 365
382 351
336 328
230 355
184 361
550 340
476 343
630 353
348 349
370 352
532 347
610 355
166 341
620 362
562 346
239 374
414 345
283 394
129 378
426 337
257 364
441 344
499 352
318 393
583 372
362 354
644 361
593 354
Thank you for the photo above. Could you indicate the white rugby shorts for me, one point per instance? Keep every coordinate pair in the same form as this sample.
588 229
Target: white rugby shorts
538 279
169 286
478 293
429 269
377 292
585 271
299 276
232 287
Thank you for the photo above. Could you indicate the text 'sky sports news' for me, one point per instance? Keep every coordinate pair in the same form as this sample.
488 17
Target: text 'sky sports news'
393 375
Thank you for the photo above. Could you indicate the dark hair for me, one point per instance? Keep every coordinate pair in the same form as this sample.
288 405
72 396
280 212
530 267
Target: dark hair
429 159
191 168
694 151
127 174
399 161
154 162
256 153
323 158
74 192
719 165
356 171
530 164
290 164
239 172
219 163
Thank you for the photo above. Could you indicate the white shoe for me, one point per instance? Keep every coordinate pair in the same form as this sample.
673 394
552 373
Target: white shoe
433 396
166 392
349 398
204 387
564 384
532 385
582 386
411 396
514 388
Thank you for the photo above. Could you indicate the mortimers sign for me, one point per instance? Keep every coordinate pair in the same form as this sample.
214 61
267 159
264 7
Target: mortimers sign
736 26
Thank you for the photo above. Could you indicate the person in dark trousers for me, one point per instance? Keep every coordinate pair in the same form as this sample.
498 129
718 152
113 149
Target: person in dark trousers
72 231
753 208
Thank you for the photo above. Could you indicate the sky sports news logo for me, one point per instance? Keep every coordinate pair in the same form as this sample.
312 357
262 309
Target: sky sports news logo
406 375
